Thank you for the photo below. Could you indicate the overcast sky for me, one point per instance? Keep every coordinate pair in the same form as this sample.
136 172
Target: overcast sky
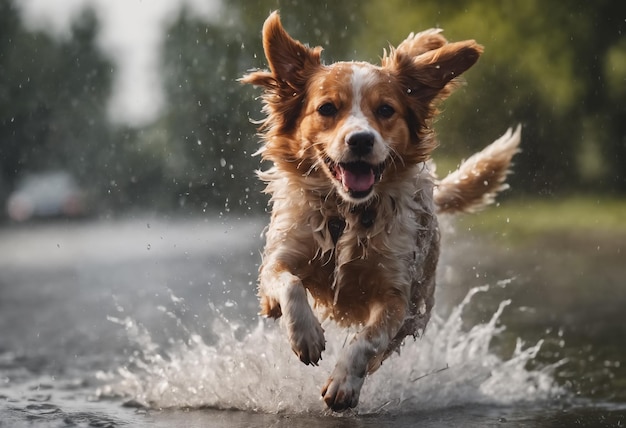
131 35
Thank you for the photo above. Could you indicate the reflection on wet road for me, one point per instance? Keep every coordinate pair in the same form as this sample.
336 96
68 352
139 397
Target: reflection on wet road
80 303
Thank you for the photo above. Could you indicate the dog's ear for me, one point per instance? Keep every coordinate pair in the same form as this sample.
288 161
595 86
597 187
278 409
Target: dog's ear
289 59
437 67
291 66
427 69
429 66
291 63
417 44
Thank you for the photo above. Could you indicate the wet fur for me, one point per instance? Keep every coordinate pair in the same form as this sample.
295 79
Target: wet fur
365 260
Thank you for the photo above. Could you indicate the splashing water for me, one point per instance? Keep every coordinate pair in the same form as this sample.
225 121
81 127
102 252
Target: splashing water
446 367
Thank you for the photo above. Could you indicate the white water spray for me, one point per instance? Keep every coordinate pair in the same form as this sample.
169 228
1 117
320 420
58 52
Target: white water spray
446 367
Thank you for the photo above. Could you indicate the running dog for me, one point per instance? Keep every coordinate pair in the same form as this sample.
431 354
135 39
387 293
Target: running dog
354 196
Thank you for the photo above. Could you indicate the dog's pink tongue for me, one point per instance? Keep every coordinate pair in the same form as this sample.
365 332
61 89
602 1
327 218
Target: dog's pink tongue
357 180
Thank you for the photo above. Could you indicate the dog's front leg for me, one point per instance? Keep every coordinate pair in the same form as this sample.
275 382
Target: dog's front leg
283 293
364 354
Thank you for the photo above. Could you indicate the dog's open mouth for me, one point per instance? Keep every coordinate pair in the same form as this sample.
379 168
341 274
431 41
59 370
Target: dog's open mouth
356 178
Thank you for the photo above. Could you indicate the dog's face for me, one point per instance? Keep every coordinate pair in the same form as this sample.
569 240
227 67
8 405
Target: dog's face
355 122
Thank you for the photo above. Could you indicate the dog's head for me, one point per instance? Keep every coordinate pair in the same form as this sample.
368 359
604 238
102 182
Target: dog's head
355 122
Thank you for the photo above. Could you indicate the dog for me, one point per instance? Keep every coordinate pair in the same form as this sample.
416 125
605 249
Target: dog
354 196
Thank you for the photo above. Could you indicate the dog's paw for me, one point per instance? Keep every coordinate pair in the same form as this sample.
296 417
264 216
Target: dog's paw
307 337
342 390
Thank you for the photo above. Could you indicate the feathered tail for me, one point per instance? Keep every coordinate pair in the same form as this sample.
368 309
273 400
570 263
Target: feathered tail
478 180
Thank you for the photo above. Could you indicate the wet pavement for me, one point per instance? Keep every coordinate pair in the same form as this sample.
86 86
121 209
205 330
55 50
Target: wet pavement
101 320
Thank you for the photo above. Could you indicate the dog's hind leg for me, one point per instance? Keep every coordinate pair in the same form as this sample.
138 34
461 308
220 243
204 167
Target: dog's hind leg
364 354
282 293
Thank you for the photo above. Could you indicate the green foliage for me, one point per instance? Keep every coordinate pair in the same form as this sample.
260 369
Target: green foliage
207 140
525 219
545 64
557 67
210 145
52 102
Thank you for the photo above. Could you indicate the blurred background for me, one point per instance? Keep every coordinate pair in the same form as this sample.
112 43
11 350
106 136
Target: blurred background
112 106
127 115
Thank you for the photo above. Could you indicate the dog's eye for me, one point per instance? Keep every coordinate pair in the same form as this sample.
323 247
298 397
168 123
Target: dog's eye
327 109
385 111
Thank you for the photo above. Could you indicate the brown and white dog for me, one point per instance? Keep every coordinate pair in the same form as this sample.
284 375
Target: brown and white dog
354 197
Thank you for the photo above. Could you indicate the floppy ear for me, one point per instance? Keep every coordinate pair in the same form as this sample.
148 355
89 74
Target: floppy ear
291 63
431 75
291 66
417 44
427 68
289 59
435 68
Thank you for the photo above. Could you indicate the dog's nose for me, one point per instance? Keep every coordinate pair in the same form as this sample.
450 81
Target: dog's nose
361 143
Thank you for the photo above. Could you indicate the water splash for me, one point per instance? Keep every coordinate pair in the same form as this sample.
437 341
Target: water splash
446 367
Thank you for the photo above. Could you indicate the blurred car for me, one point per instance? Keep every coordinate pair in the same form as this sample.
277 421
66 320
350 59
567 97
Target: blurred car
47 194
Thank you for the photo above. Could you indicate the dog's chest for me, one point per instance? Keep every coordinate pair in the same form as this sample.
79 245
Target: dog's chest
336 225
371 256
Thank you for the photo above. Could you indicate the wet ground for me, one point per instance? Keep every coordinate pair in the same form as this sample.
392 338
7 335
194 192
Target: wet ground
152 322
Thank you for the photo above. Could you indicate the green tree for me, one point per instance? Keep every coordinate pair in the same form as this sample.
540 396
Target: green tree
52 101
206 139
545 65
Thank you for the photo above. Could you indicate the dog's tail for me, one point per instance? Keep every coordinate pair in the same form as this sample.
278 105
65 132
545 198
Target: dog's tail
478 180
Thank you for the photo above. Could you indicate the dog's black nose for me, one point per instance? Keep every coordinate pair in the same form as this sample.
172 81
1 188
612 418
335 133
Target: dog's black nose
361 143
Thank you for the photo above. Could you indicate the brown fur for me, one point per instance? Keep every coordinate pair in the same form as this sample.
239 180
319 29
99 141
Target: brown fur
362 241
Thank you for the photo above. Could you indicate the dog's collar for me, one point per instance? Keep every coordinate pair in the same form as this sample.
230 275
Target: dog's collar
336 225
367 217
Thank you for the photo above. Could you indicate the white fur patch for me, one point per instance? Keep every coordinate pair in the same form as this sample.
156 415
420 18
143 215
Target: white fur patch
363 77
355 362
304 331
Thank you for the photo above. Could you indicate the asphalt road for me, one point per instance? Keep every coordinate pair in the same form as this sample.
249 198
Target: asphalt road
76 297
